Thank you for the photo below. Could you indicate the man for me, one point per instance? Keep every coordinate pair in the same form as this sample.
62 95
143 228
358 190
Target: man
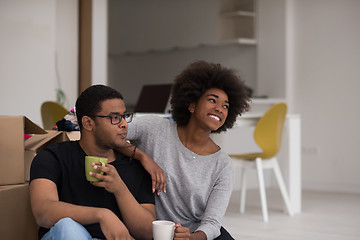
62 200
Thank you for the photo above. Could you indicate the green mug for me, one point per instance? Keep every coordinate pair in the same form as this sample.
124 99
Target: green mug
89 168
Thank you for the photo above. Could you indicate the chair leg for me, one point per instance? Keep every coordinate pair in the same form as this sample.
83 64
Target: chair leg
282 187
260 174
243 190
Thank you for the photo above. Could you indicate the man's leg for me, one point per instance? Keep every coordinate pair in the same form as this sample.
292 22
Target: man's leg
68 229
224 235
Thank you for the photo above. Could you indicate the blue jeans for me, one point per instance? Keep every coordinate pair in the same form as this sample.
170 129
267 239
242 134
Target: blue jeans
68 229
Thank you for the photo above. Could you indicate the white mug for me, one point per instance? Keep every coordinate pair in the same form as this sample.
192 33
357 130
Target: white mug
163 230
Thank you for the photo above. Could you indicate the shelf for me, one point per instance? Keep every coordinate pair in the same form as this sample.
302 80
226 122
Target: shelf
260 105
266 100
237 21
222 43
237 13
243 41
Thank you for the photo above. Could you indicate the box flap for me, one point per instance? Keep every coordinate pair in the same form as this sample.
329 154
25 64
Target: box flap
32 128
73 135
36 142
28 126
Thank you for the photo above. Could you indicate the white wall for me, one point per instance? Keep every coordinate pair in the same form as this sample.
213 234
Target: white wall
99 48
32 32
327 83
271 48
67 48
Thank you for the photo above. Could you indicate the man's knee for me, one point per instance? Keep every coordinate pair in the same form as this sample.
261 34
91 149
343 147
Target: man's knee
67 228
65 223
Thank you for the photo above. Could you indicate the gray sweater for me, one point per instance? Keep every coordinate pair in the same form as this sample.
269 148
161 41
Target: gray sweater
198 187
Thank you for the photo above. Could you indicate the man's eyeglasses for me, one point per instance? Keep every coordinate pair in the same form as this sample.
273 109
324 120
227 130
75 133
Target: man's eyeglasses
116 118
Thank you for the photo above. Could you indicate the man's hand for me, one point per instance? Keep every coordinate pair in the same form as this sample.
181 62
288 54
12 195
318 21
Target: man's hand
112 227
181 233
111 180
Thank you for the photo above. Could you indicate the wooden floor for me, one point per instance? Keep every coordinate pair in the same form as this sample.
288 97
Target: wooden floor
330 216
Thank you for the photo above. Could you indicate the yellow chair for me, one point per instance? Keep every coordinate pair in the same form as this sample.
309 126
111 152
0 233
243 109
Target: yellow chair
51 112
267 134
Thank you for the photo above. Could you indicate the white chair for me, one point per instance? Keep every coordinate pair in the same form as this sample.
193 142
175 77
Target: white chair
267 135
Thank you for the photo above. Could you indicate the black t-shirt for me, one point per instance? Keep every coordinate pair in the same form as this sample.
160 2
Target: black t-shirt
64 164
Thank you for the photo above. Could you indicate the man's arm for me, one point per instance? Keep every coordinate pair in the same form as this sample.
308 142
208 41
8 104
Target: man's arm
47 210
137 217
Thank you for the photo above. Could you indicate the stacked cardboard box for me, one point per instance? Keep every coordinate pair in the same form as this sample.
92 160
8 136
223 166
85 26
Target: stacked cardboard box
16 155
16 220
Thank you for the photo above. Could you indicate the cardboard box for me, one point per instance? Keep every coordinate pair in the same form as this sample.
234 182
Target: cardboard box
37 143
16 154
16 219
12 129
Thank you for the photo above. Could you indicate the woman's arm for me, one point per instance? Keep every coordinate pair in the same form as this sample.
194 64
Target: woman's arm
217 203
157 174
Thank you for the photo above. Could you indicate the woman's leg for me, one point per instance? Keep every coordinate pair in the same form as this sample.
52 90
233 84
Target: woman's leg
224 235
68 229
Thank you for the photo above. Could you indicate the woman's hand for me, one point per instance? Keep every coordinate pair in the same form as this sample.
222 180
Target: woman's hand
157 174
181 233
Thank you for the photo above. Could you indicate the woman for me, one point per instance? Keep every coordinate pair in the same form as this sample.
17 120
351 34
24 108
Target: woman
206 98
